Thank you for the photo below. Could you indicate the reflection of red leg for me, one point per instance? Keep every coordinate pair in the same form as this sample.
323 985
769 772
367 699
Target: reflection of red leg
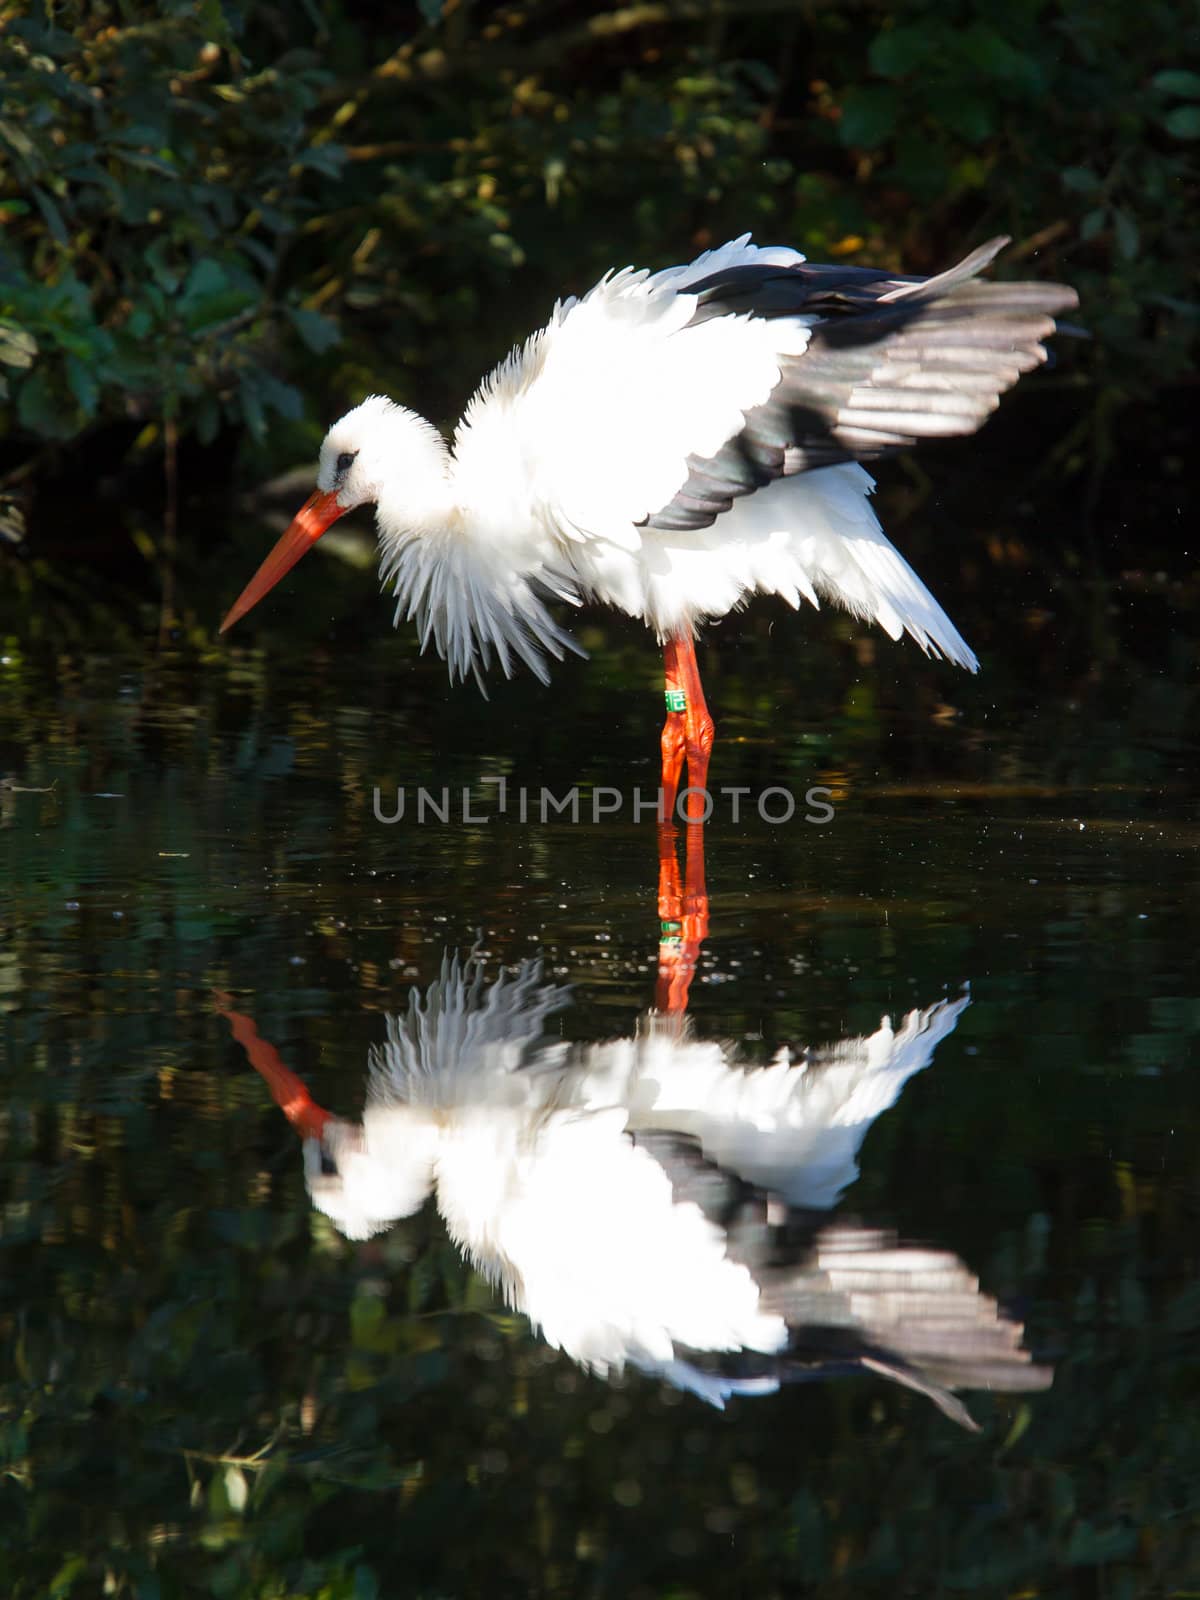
289 1092
682 903
695 888
674 734
699 725
683 917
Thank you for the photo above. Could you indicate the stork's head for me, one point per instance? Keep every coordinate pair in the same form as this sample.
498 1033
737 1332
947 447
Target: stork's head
376 448
363 1176
363 1190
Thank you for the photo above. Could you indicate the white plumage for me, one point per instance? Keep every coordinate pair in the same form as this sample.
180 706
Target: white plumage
675 442
604 1188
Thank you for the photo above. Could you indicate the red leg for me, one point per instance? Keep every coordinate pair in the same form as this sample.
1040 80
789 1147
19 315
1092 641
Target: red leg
289 1091
699 730
674 734
683 918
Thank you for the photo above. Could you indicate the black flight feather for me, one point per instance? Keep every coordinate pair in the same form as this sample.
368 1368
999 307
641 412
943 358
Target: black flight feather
855 1300
891 361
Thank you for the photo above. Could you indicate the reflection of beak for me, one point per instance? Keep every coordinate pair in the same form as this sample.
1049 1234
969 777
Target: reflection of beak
290 1094
317 514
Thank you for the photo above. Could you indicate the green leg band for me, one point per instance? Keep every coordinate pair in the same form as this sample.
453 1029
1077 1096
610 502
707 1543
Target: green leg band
676 699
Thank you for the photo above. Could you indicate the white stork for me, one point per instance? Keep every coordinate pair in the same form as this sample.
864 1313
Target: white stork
671 444
652 1200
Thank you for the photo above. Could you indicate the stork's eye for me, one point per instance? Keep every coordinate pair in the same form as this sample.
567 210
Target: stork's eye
329 1168
346 460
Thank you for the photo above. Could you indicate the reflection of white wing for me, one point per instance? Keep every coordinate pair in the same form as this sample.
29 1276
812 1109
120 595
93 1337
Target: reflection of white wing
649 1201
584 1231
794 1126
460 1040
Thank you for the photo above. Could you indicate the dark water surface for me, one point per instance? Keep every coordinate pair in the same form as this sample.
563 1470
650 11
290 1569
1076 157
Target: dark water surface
206 1390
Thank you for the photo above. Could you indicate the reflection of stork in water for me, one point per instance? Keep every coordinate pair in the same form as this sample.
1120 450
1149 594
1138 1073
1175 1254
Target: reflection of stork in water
653 1200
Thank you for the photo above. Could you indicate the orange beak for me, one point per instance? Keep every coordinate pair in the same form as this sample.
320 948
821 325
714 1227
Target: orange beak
287 1089
310 522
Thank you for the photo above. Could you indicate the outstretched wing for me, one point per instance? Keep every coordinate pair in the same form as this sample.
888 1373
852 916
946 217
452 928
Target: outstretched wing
889 362
591 425
658 400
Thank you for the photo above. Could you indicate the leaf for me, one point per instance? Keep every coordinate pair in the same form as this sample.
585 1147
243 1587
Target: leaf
165 275
52 216
211 295
431 11
764 77
281 397
218 1497
252 411
1176 81
366 1584
1126 231
20 143
1090 1546
228 1578
1131 1303
145 162
257 251
1093 223
17 345
318 333
64 1579
1183 122
207 419
897 51
83 384
963 113
1185 308
990 53
236 1491
1020 1424
868 116
41 407
367 1317
1080 180
327 159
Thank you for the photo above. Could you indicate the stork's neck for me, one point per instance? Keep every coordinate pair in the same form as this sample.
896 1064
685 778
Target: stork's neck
415 495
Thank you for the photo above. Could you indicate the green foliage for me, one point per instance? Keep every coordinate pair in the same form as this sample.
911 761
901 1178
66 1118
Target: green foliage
182 214
140 258
221 215
1055 119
